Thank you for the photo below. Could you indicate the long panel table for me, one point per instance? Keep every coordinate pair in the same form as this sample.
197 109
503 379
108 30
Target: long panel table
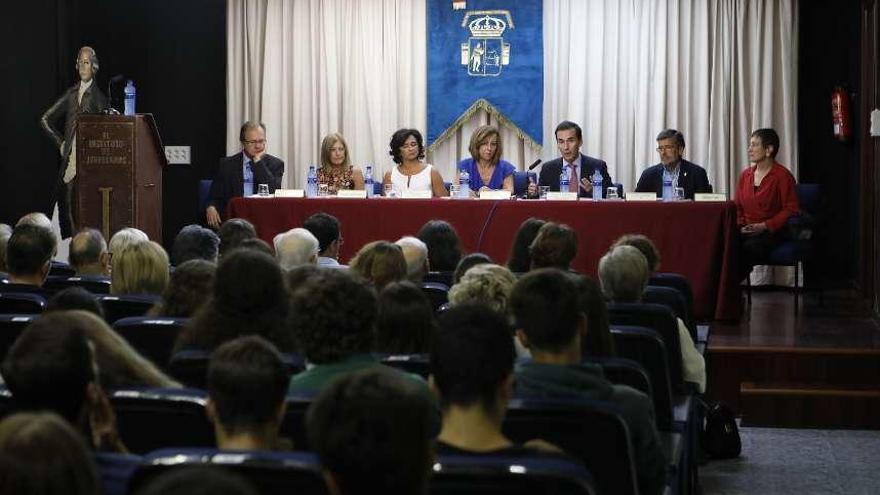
698 240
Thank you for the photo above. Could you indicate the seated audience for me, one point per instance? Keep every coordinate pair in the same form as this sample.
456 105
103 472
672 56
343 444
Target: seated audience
257 245
466 263
326 229
232 232
124 238
415 252
299 275
372 431
444 246
598 342
336 169
487 284
5 234
405 322
295 247
248 298
247 382
623 273
682 173
380 263
549 321
29 255
411 174
644 245
36 219
519 260
198 480
472 374
195 242
88 254
42 454
74 298
485 168
555 246
188 290
141 268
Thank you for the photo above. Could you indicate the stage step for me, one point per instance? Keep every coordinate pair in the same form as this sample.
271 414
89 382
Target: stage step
810 405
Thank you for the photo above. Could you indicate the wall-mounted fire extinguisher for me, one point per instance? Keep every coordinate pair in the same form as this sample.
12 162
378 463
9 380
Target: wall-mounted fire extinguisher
840 115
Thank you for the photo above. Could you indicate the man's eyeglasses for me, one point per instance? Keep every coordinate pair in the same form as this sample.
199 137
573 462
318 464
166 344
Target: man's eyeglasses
257 141
668 147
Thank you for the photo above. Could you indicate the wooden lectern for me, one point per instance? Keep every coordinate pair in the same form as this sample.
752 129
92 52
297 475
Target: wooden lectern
119 162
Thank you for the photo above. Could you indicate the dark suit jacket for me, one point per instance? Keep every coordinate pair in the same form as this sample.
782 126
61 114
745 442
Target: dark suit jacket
550 173
230 179
67 107
691 177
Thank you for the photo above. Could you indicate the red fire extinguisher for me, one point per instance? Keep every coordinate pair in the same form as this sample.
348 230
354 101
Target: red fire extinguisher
840 115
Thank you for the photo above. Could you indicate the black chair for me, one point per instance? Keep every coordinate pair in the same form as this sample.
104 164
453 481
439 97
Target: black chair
674 300
190 367
437 293
660 319
151 419
591 431
151 336
645 347
93 284
11 327
270 473
510 475
115 470
117 307
521 182
61 269
21 303
418 364
293 426
622 371
444 278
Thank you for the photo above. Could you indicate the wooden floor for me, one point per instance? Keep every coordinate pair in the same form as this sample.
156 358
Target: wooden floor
817 367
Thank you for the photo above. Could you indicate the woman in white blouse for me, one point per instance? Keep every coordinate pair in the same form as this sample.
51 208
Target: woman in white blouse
411 174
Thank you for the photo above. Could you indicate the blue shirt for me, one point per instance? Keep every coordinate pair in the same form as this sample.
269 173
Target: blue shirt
501 172
248 174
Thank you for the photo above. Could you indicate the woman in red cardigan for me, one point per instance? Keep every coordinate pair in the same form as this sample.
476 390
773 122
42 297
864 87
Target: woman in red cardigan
765 198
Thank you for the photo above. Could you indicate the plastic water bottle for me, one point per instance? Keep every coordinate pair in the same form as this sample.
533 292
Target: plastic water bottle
312 183
597 185
667 188
565 179
368 180
130 94
464 181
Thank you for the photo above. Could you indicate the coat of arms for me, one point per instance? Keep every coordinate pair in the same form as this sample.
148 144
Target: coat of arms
486 52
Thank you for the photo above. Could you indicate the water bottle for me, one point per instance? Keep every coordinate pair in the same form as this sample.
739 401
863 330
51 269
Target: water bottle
368 180
667 188
312 183
464 181
564 179
597 185
130 93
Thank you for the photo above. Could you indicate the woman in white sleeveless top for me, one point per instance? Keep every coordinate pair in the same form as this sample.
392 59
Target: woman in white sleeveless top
411 174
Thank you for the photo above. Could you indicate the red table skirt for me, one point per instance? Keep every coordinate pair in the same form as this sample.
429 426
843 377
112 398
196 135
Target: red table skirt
698 240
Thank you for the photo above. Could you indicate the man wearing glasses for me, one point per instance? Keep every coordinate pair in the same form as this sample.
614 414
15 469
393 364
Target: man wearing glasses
684 174
242 173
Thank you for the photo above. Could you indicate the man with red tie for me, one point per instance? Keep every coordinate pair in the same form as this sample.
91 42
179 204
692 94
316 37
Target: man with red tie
569 139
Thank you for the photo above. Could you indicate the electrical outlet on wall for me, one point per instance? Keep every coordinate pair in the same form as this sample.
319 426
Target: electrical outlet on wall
178 154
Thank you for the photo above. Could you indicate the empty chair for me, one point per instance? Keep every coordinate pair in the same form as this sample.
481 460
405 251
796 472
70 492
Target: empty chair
645 347
93 284
151 336
437 293
623 371
151 419
673 299
190 367
61 269
11 327
516 475
122 306
444 278
660 319
521 182
21 303
418 364
293 426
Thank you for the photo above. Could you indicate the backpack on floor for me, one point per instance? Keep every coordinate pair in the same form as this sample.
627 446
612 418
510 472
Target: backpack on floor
721 435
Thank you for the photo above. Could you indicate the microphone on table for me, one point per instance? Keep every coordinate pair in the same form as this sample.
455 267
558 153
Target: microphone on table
535 164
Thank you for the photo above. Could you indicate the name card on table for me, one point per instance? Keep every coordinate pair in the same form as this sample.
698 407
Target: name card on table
351 193
410 194
562 196
710 197
641 196
290 193
496 195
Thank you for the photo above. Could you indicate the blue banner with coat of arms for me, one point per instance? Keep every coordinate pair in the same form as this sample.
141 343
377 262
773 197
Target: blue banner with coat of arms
485 54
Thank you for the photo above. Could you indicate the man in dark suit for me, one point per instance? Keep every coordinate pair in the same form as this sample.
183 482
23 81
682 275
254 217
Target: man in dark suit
569 139
84 97
689 176
241 173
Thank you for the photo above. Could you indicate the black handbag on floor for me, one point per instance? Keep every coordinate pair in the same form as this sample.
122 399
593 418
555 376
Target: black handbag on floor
721 435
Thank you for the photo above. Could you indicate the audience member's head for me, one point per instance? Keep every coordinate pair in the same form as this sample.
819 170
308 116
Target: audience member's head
5 234
643 244
380 262
42 454
88 253
73 298
598 341
555 246
29 254
296 247
247 382
194 242
444 247
415 252
623 273
141 268
472 360
325 228
519 260
405 322
198 480
36 219
372 432
257 245
466 263
332 314
232 232
486 284
189 289
547 314
124 238
299 275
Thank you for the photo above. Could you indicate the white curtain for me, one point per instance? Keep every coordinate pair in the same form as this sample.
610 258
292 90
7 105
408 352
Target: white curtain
623 69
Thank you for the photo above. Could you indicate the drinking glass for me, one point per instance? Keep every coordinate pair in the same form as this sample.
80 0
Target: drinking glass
611 193
323 190
678 194
263 189
542 191
390 192
454 191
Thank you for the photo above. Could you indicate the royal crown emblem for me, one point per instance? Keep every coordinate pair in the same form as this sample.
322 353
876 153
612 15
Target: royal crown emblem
486 53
